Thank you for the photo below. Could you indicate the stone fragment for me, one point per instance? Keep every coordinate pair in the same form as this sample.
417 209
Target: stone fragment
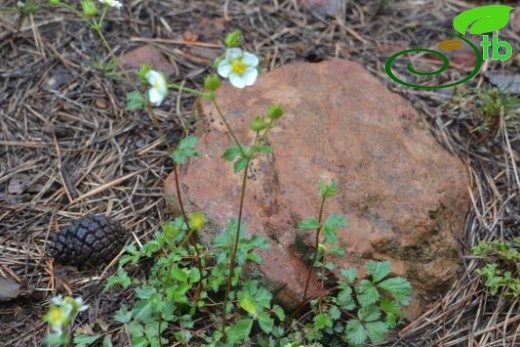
404 195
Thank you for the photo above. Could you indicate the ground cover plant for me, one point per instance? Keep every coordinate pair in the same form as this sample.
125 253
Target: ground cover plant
78 128
185 274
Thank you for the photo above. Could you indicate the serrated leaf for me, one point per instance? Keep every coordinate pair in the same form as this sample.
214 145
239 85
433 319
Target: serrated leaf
376 331
392 310
378 270
322 321
240 331
247 303
240 165
399 288
231 152
482 19
279 312
123 315
355 332
266 322
266 149
369 313
134 101
345 299
367 293
333 222
185 149
328 190
309 224
350 274
82 340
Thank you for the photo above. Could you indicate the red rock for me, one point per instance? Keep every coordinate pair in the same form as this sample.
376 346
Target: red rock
404 195
150 55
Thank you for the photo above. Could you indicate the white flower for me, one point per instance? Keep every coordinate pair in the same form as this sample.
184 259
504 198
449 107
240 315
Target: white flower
240 67
159 89
112 3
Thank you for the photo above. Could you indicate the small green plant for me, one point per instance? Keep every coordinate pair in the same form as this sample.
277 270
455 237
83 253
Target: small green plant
372 305
197 294
501 270
487 104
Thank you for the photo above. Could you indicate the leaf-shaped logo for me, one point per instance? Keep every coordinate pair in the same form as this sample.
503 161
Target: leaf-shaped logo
482 19
450 45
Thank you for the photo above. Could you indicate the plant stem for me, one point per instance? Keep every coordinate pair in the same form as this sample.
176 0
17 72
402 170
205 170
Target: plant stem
235 247
316 243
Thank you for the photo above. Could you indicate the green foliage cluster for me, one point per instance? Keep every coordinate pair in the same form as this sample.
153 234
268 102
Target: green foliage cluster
501 271
198 295
487 104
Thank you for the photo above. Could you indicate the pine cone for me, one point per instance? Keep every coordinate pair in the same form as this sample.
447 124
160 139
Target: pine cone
88 241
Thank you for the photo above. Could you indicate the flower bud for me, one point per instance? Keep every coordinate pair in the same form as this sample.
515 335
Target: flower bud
233 39
275 111
89 8
258 124
212 82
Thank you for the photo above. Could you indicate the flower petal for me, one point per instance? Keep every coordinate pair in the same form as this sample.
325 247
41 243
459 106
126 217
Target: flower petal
237 81
249 76
233 53
250 59
224 69
152 76
155 97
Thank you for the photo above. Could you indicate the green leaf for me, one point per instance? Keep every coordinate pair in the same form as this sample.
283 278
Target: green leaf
322 321
355 332
392 310
309 224
82 340
107 342
345 299
350 274
376 331
247 303
266 149
143 70
329 190
369 313
399 288
482 19
266 322
333 222
145 292
121 278
367 293
279 312
240 331
231 152
240 165
123 315
378 270
134 101
185 149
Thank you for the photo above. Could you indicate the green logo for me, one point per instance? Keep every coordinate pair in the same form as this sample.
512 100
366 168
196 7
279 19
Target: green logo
480 20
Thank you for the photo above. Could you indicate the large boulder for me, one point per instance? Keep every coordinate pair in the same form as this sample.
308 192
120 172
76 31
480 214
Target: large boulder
404 195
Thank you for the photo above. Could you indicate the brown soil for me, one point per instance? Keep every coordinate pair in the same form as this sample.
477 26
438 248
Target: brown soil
62 120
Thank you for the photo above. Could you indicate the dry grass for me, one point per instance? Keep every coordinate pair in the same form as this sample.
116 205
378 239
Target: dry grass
72 149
